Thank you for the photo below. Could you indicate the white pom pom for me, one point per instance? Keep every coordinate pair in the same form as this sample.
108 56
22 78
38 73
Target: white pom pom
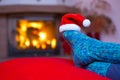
86 23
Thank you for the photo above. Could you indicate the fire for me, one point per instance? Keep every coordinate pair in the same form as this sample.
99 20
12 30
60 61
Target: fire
42 36
34 34
53 43
27 43
43 46
34 43
48 42
23 24
35 24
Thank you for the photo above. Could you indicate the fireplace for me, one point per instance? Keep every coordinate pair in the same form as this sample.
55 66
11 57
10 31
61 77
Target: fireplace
31 30
33 35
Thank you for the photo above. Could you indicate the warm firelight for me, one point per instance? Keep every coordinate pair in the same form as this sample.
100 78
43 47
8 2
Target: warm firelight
35 34
34 43
43 46
36 24
53 43
27 43
42 36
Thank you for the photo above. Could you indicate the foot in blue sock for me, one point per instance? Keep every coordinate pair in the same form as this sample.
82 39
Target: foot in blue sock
87 50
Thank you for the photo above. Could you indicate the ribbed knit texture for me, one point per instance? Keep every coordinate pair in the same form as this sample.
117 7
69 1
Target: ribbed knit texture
99 67
88 50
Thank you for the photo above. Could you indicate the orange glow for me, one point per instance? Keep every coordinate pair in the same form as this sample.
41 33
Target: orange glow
23 25
17 38
27 43
43 46
48 42
35 25
34 43
42 36
37 46
53 43
34 34
22 38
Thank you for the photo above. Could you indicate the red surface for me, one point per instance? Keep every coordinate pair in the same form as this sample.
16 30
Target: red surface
44 69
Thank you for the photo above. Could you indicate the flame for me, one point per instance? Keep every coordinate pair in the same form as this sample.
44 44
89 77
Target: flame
35 24
42 36
48 42
34 43
43 46
37 46
22 38
35 36
53 43
27 43
23 24
17 38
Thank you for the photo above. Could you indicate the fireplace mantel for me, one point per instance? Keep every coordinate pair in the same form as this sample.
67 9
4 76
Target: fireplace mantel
37 8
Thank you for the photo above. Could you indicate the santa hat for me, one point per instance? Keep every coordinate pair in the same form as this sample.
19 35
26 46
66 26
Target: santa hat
73 22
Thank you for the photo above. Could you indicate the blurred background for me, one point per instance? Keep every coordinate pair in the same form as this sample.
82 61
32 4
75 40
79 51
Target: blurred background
29 28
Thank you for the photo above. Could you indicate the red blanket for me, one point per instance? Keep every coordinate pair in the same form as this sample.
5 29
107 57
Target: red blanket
44 69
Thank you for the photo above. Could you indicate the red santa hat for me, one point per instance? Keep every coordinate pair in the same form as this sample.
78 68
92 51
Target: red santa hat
73 22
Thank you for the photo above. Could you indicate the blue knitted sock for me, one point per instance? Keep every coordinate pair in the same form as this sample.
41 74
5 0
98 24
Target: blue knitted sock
99 68
87 50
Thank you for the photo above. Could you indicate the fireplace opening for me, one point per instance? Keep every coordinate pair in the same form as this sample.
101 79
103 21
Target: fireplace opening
36 34
33 36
